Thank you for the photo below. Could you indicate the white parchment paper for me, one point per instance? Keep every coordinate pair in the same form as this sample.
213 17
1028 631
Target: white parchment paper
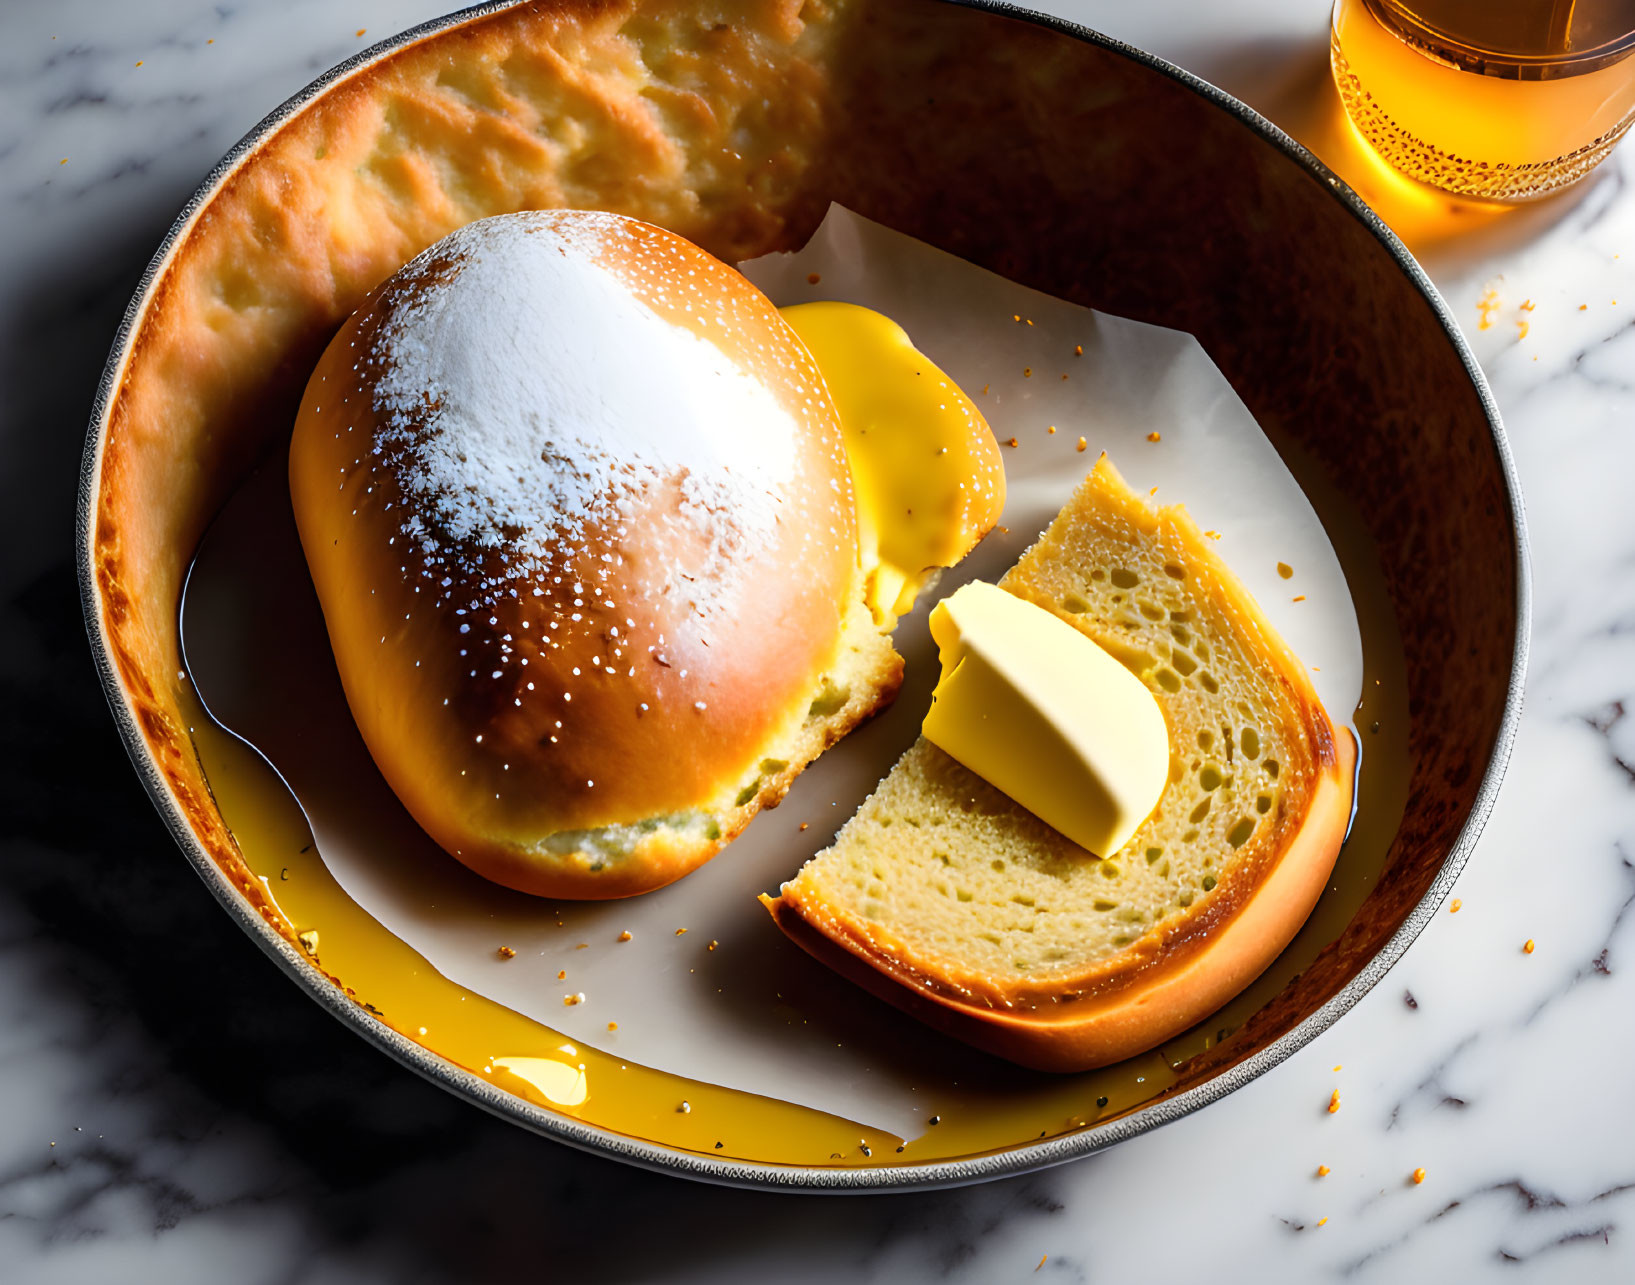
728 1000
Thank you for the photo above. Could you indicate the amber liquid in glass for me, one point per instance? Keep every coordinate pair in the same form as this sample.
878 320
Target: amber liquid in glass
1501 101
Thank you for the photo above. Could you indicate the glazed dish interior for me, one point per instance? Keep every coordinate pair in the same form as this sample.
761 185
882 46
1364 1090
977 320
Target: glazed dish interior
1061 164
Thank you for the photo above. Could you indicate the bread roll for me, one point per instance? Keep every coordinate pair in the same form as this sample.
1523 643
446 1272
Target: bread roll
578 511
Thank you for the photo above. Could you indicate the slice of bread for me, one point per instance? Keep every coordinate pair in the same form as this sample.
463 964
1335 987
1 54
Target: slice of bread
951 901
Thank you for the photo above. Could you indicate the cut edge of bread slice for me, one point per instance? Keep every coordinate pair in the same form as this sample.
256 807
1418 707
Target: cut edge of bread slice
1196 954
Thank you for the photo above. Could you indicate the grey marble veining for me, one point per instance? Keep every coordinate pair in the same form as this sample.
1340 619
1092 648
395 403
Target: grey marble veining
239 1134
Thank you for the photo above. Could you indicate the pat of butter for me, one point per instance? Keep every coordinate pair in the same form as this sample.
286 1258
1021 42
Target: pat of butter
1040 712
927 471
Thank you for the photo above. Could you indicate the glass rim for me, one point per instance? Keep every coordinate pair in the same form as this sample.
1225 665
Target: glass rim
1448 47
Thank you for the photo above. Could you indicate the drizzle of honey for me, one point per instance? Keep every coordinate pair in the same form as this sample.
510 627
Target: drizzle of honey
995 1108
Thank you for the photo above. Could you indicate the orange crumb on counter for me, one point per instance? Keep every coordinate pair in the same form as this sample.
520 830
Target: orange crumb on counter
1337 1066
562 975
1213 535
1053 429
360 31
569 1001
1016 316
1322 1220
1284 570
1042 1262
1487 305
1334 1102
985 388
1454 906
1155 436
1083 444
1583 307
803 827
625 935
1527 949
1078 350
506 952
612 1026
1419 1175
1299 597
712 945
584 945
1027 372
1322 1171
1522 328
139 64
1012 442
679 931
812 278
1527 305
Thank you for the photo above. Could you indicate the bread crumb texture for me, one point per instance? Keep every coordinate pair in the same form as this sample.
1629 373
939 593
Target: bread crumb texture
961 887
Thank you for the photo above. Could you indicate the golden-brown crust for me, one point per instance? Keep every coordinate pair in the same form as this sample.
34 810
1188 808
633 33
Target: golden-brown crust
1145 1006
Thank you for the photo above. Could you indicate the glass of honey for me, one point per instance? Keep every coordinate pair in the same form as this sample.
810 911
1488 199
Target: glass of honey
1500 100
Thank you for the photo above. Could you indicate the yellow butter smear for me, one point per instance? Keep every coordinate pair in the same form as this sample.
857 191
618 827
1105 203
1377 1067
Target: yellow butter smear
1040 712
927 472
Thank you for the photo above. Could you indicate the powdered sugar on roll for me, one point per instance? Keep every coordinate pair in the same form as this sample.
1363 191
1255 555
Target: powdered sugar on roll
527 396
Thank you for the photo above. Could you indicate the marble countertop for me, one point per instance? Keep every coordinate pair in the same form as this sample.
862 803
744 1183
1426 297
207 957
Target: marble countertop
174 1110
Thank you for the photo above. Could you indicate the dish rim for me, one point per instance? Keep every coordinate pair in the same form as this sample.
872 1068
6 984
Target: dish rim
1025 1157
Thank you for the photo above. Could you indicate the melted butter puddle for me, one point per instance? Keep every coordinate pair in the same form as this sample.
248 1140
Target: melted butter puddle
992 1107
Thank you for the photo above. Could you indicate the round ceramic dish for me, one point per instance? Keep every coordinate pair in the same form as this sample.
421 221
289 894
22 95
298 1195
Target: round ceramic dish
1044 151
